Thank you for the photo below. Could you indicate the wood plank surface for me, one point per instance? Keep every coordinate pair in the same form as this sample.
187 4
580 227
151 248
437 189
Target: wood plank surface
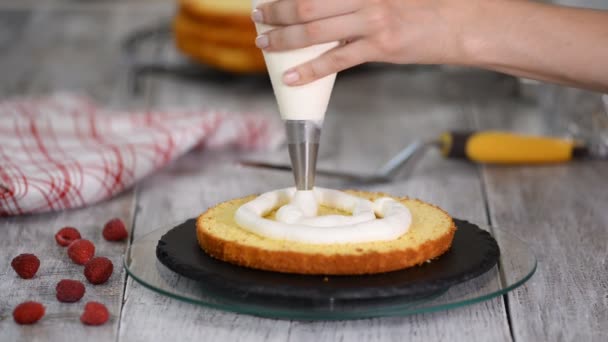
560 211
49 50
35 234
358 135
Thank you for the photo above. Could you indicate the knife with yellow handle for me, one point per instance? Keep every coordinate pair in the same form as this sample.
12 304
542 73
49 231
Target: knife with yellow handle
499 147
489 147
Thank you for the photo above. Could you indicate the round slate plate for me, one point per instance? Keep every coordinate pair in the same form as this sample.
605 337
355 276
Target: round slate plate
473 252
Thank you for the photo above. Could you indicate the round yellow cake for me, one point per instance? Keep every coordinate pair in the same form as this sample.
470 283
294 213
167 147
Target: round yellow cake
219 34
237 59
430 235
206 31
226 12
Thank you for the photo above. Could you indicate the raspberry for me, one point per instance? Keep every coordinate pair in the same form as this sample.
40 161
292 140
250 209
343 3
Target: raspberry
69 291
26 265
81 251
94 314
28 312
115 230
98 270
67 235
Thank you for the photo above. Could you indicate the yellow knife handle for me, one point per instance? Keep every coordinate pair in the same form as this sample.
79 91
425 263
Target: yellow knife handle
498 147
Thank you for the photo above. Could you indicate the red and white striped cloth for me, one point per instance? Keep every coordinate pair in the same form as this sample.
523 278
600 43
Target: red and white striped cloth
65 152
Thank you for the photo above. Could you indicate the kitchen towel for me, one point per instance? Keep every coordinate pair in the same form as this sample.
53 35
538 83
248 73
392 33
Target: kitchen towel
64 151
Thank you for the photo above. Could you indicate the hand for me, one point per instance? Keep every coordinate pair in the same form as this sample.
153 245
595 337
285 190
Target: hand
394 31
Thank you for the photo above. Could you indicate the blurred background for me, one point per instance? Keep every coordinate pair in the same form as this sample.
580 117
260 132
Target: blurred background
194 53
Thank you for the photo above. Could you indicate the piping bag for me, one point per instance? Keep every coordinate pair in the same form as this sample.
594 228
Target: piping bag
302 108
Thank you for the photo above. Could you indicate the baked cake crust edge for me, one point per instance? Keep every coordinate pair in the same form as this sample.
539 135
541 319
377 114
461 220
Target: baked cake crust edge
323 264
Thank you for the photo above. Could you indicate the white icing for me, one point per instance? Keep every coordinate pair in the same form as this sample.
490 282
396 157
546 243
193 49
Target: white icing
382 220
303 204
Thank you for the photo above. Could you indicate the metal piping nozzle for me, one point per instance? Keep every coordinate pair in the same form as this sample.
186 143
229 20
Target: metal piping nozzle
303 142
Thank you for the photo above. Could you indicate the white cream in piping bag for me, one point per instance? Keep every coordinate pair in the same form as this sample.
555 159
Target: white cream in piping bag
305 102
296 220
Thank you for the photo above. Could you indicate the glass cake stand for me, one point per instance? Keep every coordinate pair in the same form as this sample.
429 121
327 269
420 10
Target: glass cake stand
515 266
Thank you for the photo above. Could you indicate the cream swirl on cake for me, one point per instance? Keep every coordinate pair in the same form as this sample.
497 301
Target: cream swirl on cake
296 220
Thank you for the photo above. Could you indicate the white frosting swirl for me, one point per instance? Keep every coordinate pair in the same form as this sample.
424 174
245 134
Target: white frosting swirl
297 220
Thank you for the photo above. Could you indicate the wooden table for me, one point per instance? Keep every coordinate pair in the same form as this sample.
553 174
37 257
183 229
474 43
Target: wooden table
561 211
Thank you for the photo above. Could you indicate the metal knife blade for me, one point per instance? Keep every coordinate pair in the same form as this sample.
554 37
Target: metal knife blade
329 173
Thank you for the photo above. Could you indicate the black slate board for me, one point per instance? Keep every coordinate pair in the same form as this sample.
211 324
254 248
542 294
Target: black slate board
473 252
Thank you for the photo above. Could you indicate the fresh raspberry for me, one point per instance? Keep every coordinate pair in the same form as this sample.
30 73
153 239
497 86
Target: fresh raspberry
28 312
81 251
67 235
115 230
98 270
26 265
69 291
94 314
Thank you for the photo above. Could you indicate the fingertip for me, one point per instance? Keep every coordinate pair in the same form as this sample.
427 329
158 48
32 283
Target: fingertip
291 77
257 15
262 41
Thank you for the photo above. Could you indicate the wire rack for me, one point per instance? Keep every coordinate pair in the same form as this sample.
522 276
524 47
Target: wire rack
150 52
